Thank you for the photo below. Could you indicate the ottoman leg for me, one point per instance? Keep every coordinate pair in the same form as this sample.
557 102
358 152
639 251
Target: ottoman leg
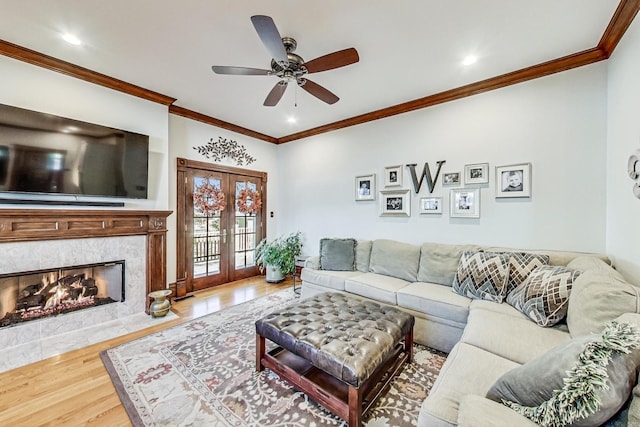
408 345
260 351
355 406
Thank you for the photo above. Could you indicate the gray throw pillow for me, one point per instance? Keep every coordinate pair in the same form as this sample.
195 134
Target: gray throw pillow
337 254
542 379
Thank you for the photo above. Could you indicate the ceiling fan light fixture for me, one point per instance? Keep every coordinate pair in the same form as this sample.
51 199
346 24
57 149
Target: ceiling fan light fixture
469 60
71 39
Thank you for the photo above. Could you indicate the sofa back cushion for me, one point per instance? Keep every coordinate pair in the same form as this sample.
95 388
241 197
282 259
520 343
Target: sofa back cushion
598 296
395 259
363 255
439 262
555 257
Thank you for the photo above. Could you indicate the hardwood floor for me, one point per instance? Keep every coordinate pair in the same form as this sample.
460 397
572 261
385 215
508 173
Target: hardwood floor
74 389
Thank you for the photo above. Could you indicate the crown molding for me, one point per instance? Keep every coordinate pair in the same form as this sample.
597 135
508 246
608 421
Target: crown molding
49 62
194 115
622 18
551 67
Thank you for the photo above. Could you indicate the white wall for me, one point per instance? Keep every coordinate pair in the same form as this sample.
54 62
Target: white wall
623 137
35 88
185 134
577 128
558 123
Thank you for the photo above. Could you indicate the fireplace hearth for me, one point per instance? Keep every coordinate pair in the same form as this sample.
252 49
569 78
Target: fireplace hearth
33 295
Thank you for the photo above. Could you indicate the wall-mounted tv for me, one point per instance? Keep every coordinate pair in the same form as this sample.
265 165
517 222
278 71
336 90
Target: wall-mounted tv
46 154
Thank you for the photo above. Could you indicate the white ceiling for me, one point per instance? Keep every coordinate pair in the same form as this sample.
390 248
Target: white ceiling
408 49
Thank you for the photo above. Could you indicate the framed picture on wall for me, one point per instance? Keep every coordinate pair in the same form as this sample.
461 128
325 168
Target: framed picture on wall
393 176
366 187
451 178
464 203
513 180
431 205
476 174
395 203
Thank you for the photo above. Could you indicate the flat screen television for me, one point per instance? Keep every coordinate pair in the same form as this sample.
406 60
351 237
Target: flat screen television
47 154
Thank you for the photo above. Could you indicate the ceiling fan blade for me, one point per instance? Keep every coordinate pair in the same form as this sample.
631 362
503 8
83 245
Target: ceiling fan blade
318 91
241 71
332 60
276 93
268 33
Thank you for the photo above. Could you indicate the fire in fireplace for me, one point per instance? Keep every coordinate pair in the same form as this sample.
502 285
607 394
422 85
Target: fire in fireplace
33 295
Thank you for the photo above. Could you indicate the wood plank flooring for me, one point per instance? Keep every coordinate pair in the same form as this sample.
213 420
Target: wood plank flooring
74 389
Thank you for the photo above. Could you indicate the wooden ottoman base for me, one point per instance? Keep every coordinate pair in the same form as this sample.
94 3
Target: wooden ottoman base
342 399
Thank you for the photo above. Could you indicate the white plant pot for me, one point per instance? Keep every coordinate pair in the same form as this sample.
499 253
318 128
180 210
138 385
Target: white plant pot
273 274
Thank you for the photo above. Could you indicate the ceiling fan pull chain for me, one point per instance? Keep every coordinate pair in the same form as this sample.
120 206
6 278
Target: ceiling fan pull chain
295 96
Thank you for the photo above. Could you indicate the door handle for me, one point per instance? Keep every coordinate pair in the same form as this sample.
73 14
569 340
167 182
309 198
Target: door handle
224 236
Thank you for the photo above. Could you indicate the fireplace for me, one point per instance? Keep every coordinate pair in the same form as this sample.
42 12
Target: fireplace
39 240
33 295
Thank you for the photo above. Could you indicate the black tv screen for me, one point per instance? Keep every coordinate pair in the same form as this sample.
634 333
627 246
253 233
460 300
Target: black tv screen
46 154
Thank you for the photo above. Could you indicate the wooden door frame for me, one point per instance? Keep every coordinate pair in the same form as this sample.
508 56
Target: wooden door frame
182 168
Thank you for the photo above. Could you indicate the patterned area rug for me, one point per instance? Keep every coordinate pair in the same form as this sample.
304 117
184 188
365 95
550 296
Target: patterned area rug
202 373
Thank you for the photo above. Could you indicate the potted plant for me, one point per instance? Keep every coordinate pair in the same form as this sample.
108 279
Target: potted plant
278 256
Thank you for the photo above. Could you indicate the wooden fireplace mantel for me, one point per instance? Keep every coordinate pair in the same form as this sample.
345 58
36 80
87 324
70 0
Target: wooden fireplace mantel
19 225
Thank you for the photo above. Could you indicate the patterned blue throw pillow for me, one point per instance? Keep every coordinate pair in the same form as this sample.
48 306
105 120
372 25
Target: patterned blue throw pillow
482 275
544 295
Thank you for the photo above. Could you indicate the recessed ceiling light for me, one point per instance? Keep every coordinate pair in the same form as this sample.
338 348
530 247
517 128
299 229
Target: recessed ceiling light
70 38
469 60
291 119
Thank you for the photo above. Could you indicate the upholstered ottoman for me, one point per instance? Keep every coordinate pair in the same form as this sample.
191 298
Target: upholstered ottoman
341 351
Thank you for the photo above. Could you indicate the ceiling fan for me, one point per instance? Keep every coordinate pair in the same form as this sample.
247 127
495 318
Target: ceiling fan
287 65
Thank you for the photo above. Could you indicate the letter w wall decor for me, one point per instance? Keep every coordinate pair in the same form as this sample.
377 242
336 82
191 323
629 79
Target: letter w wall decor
426 173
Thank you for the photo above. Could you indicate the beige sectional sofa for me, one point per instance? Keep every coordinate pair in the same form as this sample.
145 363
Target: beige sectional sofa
484 339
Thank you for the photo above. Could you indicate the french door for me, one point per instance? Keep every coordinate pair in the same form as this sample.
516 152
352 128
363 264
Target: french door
220 225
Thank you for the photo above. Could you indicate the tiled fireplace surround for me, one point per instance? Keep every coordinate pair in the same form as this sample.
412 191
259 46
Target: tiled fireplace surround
42 239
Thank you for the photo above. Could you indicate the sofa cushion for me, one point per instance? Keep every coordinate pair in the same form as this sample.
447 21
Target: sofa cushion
375 286
330 279
544 296
435 300
337 254
482 275
467 370
543 381
478 411
395 259
504 331
439 262
363 255
597 297
521 264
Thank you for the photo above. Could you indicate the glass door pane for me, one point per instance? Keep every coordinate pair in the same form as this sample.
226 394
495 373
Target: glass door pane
209 203
246 226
